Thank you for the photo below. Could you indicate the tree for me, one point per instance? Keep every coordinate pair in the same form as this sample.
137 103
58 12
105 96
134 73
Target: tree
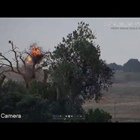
2 78
98 115
77 70
24 63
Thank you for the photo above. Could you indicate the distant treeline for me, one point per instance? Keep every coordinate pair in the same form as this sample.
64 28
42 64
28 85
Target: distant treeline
132 65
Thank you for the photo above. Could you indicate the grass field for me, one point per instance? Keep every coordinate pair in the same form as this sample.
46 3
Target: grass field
122 101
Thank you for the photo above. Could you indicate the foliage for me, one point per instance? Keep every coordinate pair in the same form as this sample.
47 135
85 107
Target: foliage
97 116
34 107
37 107
12 86
78 68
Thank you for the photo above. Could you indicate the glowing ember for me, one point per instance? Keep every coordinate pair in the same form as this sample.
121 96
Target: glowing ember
29 59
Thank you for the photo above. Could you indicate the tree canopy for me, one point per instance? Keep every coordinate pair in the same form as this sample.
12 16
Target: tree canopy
78 68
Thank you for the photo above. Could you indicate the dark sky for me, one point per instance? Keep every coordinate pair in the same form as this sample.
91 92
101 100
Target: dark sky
117 44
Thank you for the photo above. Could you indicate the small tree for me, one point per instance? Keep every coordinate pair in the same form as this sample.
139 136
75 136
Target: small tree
98 115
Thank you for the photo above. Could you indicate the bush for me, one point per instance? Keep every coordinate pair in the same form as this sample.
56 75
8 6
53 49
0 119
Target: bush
46 90
32 108
40 104
12 86
36 106
97 116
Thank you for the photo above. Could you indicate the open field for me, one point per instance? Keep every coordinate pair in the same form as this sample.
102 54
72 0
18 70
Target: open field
122 101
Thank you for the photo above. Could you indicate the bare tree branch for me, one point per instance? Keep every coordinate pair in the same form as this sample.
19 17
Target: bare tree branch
28 54
21 58
6 59
10 65
39 68
16 57
23 61
8 71
2 64
14 66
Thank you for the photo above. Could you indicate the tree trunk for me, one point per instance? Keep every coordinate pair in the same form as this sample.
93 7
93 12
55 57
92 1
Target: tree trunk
2 80
33 72
57 93
27 85
45 76
26 82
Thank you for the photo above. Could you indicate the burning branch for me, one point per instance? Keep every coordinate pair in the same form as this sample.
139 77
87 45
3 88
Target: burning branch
30 63
34 56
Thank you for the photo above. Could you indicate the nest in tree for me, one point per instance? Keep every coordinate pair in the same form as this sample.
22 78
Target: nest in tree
37 59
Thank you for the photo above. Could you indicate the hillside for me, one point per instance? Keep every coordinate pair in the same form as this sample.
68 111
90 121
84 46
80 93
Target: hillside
132 65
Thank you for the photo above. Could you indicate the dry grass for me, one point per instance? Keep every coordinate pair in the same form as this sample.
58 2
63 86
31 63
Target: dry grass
122 102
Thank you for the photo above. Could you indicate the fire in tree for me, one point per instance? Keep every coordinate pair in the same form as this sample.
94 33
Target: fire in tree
35 55
29 59
25 63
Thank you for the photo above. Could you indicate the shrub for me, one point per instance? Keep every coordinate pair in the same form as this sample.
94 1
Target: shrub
12 86
97 116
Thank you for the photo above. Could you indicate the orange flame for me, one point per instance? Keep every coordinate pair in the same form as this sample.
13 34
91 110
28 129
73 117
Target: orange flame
35 51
